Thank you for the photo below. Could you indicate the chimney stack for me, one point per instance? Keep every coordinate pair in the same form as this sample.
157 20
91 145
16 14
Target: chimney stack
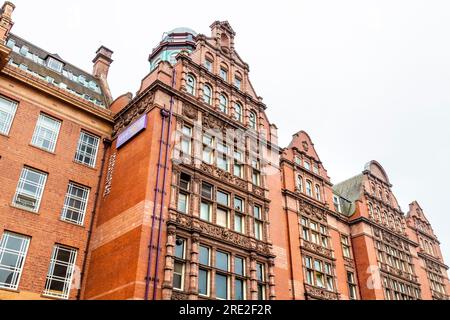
6 22
102 62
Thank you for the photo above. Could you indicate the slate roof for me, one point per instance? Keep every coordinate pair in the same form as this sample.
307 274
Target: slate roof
34 60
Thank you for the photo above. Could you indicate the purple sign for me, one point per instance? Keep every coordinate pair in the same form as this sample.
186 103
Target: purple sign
133 130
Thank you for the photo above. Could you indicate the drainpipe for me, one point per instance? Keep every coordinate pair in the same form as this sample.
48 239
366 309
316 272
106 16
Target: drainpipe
164 115
107 145
163 192
150 245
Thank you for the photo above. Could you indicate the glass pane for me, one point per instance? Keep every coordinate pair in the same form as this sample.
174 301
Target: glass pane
222 261
223 198
204 256
6 278
203 282
239 266
205 211
239 289
221 287
179 249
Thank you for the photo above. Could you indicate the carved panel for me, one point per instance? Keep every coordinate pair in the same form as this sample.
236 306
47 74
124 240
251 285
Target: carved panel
319 293
223 175
317 249
220 233
312 211
180 296
133 113
109 174
190 112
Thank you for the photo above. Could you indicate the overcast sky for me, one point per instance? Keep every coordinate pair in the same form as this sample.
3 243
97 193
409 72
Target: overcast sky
368 80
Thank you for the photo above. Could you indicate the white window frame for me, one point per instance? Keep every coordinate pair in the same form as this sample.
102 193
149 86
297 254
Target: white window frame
22 255
40 125
82 143
191 84
10 114
223 103
208 98
67 280
40 186
84 203
55 64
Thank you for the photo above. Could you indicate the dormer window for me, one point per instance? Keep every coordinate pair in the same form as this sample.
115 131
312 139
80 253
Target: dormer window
54 64
24 51
337 204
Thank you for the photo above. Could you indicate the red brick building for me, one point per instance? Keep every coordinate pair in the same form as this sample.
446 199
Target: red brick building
54 123
182 191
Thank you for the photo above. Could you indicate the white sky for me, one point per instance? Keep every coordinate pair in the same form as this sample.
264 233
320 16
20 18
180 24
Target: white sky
368 80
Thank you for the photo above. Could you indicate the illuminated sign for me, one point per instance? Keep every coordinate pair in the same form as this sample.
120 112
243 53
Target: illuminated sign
132 131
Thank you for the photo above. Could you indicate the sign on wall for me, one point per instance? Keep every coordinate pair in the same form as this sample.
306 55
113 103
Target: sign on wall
132 131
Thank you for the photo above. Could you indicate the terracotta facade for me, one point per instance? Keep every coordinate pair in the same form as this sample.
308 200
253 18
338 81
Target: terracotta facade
189 197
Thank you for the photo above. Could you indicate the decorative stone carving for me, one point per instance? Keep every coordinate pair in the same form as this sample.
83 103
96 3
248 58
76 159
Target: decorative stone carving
190 112
220 233
312 211
257 191
109 174
321 293
133 113
349 263
317 249
305 146
223 175
180 296
211 122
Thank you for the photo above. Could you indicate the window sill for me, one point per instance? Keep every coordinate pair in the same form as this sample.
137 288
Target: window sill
41 149
4 135
81 226
10 290
84 165
15 206
49 297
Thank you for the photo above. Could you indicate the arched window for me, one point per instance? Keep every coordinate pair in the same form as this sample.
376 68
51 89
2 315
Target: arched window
224 72
398 225
391 221
300 183
370 211
207 94
190 84
252 120
377 214
384 218
318 194
209 62
238 112
309 188
223 103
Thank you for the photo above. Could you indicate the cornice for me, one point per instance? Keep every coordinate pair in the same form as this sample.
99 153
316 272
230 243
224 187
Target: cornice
426 256
375 225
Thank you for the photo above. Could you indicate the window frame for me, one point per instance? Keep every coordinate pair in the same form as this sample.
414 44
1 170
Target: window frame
71 265
43 176
21 255
84 202
39 129
9 114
